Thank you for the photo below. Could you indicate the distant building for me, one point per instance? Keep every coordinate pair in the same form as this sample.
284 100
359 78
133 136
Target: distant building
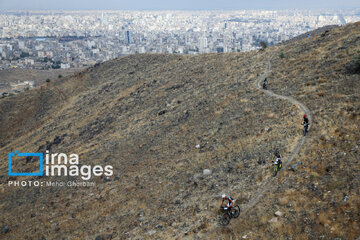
203 43
65 65
220 49
21 85
127 37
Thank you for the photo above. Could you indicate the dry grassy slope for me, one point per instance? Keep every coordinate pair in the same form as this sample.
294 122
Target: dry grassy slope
144 114
321 200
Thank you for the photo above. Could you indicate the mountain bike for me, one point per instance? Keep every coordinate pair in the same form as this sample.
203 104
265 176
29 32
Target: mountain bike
306 126
277 168
264 86
228 215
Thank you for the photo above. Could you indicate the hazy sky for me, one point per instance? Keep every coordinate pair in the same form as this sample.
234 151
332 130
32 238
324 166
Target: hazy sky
173 5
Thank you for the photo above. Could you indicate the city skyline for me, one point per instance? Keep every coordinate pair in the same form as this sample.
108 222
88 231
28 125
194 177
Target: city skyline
167 5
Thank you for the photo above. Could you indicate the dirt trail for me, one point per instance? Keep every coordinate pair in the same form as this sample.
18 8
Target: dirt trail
266 186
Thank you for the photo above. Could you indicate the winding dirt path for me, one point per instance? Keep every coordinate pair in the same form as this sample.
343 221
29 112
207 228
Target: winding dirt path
266 186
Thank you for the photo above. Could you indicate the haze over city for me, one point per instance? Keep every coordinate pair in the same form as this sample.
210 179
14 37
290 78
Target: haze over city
173 5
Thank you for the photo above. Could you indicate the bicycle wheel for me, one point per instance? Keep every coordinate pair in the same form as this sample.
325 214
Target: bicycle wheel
225 219
275 171
236 211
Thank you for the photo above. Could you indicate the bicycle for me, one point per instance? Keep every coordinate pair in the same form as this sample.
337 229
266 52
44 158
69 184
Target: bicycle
277 168
228 215
306 126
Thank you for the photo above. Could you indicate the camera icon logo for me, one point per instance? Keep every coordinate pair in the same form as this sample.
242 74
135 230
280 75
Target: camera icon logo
16 153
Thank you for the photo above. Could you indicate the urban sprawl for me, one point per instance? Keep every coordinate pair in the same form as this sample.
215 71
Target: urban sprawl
75 39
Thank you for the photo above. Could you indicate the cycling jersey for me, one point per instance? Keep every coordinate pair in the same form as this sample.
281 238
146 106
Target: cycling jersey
230 202
277 161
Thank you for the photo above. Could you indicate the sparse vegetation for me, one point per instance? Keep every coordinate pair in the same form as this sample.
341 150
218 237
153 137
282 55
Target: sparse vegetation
354 65
263 45
112 117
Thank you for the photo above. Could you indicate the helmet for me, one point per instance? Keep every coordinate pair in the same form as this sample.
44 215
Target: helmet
223 196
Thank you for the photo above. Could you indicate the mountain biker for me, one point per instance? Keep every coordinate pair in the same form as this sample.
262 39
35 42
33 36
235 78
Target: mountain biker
278 161
264 84
306 122
230 202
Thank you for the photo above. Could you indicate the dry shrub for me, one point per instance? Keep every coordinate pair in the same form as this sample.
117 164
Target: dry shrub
259 179
323 218
283 201
321 80
321 94
301 236
285 230
264 219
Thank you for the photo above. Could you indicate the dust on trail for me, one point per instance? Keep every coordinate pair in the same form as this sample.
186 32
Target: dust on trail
265 187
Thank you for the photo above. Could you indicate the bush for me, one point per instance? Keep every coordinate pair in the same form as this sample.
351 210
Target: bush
263 44
356 61
282 55
60 76
354 65
48 80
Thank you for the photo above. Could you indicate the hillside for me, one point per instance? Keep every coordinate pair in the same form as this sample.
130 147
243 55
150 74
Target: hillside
160 120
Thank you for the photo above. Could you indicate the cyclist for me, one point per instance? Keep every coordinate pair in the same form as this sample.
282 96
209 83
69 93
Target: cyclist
278 161
306 122
230 202
264 84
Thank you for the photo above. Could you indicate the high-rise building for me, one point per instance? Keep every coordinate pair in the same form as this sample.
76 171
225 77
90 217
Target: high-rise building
203 43
127 37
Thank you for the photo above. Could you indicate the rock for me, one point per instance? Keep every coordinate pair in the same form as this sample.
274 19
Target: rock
5 229
346 198
273 220
197 146
292 113
279 214
151 232
207 172
244 237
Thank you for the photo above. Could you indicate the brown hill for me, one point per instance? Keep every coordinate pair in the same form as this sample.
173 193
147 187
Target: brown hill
160 120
